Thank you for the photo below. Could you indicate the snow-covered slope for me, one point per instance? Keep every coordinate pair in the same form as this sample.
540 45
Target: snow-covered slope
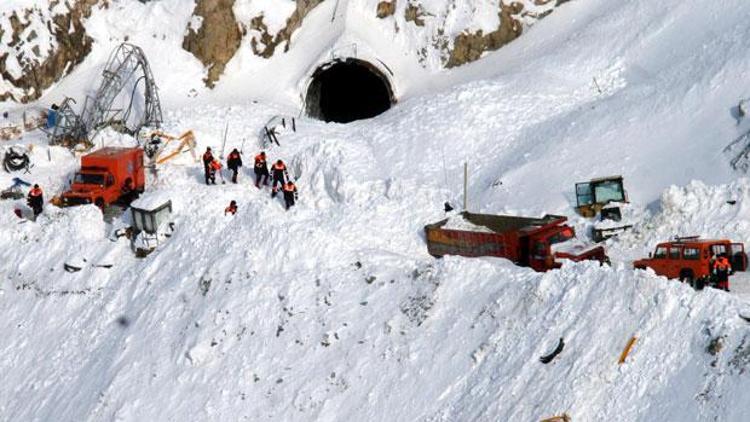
335 311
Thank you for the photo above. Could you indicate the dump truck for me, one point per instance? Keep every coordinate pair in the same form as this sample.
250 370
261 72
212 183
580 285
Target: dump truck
107 175
540 243
690 259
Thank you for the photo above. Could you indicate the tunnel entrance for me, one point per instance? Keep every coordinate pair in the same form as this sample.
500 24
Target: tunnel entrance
343 91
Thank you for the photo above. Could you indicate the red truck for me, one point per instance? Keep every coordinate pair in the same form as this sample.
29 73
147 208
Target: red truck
689 259
539 243
106 176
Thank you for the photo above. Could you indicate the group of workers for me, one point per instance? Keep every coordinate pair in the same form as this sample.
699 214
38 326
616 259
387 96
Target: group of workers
279 175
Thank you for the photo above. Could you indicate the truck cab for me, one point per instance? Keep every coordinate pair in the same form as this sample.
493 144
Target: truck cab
550 248
107 176
690 259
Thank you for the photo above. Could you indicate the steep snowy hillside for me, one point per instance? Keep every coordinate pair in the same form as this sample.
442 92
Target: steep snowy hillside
334 310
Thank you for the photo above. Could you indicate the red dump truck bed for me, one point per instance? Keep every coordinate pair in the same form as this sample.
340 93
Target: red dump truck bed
525 241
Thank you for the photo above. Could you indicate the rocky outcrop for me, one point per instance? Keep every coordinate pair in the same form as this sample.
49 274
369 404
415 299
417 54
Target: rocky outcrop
386 8
213 36
26 67
457 46
264 44
468 47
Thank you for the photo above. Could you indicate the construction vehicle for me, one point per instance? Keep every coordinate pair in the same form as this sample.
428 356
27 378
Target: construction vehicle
155 145
539 243
605 197
595 194
152 223
689 259
107 175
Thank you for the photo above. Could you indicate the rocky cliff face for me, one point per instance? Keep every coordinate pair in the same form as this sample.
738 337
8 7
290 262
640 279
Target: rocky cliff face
458 30
42 42
40 45
213 36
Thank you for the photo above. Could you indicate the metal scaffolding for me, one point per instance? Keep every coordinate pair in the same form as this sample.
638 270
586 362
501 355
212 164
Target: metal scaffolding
125 63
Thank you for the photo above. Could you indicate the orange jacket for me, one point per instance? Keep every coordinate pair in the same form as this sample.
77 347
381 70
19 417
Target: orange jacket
279 167
215 165
722 264
289 187
35 192
230 210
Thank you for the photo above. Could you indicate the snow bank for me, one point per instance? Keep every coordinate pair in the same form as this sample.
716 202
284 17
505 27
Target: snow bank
697 209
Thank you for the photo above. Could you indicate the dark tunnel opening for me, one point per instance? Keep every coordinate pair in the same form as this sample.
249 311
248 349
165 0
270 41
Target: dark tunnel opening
347 90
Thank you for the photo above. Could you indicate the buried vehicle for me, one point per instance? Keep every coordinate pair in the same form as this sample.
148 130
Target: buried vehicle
106 176
607 198
539 243
690 259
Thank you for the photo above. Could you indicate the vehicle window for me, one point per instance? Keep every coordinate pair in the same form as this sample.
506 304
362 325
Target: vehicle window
584 195
674 252
610 190
661 252
562 236
691 253
89 179
718 249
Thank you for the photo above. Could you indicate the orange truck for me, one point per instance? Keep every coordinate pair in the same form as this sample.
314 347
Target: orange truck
689 259
107 175
540 243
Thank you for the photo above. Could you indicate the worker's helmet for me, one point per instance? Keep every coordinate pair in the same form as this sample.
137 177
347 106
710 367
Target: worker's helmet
36 186
262 153
233 203
208 148
279 162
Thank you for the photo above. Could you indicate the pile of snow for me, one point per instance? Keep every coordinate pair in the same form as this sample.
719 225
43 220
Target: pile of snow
458 222
697 209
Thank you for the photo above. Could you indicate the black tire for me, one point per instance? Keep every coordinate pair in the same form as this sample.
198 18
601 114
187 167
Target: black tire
687 277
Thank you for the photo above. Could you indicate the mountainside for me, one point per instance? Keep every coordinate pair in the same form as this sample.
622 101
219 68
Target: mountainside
334 310
43 44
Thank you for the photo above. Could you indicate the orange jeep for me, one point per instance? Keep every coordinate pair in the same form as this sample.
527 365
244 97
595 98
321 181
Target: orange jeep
689 259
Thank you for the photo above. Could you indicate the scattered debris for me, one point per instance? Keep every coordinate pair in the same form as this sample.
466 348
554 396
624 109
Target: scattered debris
16 159
550 356
562 418
715 345
626 350
14 191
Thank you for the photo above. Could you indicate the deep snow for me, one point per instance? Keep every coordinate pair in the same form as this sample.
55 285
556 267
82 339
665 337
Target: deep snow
334 310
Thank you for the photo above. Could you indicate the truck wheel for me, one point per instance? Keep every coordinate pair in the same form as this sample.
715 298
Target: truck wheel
99 202
687 277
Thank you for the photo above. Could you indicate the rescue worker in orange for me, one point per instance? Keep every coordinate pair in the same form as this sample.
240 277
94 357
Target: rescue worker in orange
290 194
261 169
208 158
213 167
234 162
231 209
721 269
35 200
278 170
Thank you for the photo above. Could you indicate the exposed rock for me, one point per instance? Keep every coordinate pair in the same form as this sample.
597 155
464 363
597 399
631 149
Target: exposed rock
468 47
386 8
40 69
414 13
217 38
265 45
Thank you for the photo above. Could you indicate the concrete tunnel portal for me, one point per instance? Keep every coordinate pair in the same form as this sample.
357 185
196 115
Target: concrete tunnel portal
345 90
